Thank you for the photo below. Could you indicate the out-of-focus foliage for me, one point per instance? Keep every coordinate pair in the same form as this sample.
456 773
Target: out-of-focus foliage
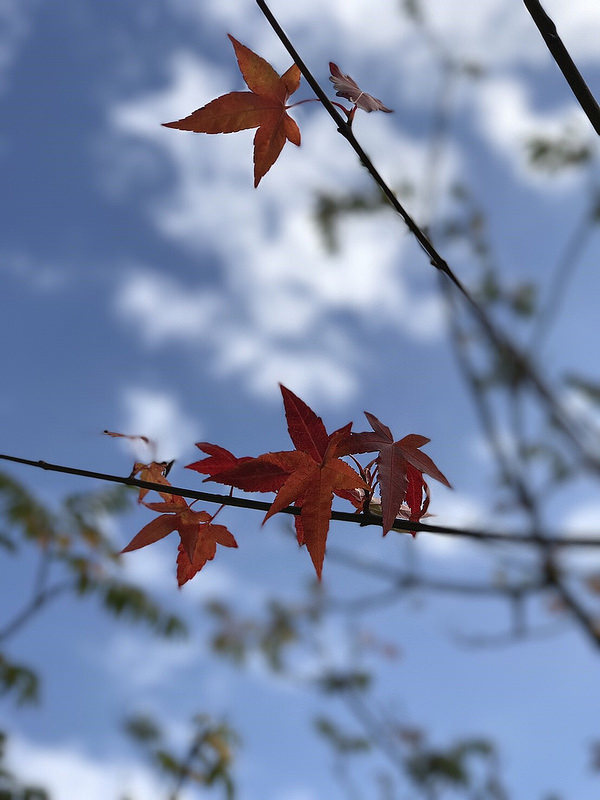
553 154
18 679
341 741
73 554
332 209
207 760
236 637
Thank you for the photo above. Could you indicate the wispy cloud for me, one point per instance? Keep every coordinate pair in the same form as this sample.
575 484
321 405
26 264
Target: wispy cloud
15 21
67 772
508 120
157 415
279 300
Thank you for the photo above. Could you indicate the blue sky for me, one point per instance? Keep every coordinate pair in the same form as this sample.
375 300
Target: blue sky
148 288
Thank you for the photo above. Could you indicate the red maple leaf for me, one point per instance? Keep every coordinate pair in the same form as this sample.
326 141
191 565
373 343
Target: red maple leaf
307 477
263 107
400 468
198 536
208 537
218 460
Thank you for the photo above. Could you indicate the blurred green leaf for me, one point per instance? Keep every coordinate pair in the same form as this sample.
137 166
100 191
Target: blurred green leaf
330 209
127 600
18 679
143 729
342 742
333 682
554 154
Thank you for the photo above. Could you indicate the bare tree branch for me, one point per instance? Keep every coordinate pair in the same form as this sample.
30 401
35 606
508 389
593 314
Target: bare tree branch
560 54
581 440
362 519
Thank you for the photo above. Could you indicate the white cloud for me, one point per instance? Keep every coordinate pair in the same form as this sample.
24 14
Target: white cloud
150 566
270 314
490 31
277 306
142 663
40 275
157 415
582 521
67 772
508 120
165 310
577 23
456 511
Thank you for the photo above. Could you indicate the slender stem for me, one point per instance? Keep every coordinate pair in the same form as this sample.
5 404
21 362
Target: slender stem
407 581
186 767
562 274
316 100
375 729
566 64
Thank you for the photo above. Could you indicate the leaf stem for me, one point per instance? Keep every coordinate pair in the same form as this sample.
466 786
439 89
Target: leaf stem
316 100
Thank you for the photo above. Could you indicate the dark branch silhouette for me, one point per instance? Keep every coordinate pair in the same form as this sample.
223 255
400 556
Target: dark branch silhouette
579 438
561 55
362 519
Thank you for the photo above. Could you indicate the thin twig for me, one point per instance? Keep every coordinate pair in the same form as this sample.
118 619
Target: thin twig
487 640
35 604
406 581
562 274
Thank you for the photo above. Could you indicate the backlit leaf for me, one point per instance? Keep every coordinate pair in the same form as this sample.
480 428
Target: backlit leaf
263 107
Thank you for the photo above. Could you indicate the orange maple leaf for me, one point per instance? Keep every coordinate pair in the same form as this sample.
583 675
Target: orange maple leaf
208 536
154 472
308 476
263 107
198 536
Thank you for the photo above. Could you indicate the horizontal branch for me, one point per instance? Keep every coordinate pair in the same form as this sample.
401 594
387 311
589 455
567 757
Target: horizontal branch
362 519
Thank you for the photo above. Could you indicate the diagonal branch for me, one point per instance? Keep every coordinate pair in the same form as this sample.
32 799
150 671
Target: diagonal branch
39 600
567 424
560 54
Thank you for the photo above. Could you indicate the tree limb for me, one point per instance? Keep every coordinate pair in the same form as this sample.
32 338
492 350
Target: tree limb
362 519
561 55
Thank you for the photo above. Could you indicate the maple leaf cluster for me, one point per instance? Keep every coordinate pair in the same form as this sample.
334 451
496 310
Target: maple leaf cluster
308 477
265 107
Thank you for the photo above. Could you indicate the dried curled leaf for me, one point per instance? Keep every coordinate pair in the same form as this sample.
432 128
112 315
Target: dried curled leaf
347 88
